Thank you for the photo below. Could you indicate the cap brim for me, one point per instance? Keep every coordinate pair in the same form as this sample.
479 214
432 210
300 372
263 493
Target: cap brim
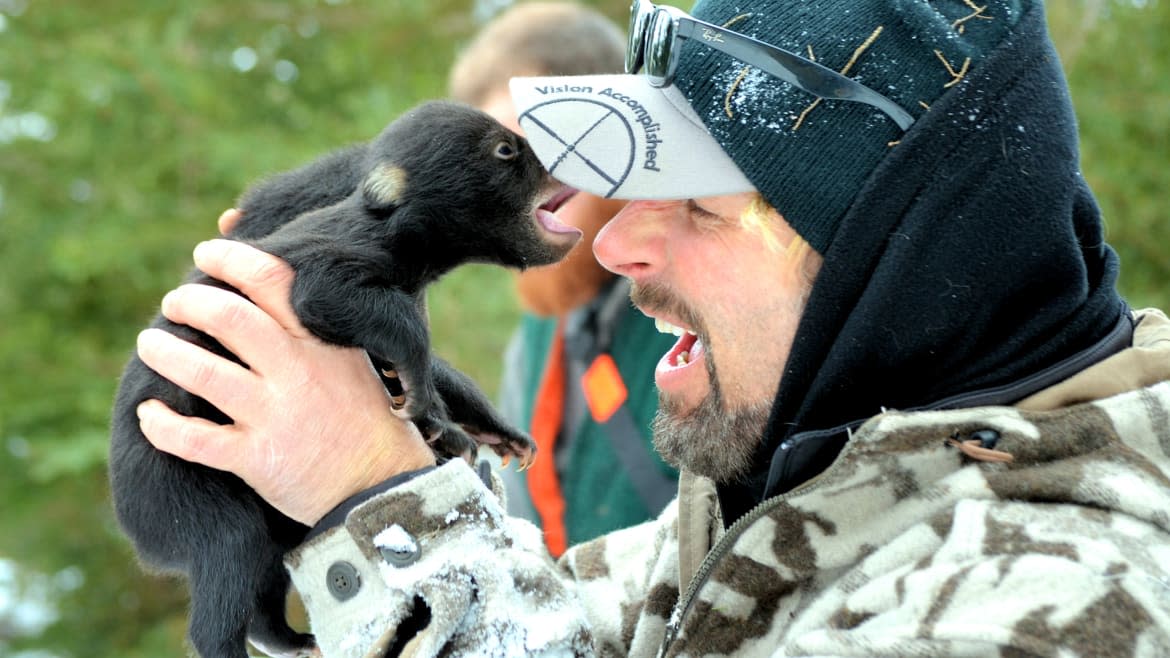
617 136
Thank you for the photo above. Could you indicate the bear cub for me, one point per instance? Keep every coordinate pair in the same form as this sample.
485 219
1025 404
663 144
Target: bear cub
365 229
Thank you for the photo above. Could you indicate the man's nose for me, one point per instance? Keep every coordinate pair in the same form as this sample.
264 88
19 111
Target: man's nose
631 244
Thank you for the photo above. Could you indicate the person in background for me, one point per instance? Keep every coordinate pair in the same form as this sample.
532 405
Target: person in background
578 371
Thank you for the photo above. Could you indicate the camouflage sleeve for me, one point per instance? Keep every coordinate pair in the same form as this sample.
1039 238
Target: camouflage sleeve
435 566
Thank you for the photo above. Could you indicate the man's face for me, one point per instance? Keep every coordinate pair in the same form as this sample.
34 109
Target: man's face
736 302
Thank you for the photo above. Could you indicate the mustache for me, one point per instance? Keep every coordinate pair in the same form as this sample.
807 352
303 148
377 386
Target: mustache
657 299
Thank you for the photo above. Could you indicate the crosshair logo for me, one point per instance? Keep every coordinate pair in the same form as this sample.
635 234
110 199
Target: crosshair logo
594 142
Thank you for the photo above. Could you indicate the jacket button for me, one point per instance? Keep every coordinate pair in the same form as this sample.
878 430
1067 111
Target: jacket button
343 581
397 547
401 555
987 438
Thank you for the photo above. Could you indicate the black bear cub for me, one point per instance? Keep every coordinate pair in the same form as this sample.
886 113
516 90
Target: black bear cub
365 229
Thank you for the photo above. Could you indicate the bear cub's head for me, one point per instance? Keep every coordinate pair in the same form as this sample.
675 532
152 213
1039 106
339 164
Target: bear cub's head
478 185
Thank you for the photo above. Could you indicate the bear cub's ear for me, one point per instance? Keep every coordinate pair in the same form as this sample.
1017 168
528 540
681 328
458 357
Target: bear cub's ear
384 187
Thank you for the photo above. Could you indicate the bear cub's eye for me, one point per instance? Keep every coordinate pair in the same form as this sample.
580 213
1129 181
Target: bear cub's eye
505 151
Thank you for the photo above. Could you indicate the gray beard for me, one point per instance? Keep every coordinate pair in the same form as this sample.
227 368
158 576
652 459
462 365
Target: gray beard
709 440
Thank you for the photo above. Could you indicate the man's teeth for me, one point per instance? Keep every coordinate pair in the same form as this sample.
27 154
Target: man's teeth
683 357
667 328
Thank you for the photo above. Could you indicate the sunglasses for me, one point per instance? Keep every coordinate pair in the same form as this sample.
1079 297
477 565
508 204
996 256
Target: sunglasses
655 31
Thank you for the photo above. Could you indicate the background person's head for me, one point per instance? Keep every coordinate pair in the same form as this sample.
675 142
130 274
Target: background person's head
534 39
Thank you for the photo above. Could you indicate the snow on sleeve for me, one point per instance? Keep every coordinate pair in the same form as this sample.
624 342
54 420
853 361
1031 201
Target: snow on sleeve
396 539
459 574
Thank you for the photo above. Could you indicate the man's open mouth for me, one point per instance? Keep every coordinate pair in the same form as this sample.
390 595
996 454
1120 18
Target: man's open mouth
686 350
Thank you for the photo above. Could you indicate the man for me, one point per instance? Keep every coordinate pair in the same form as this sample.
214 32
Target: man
935 430
578 371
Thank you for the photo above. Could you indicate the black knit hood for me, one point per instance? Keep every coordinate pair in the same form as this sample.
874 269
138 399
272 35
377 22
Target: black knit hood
971 268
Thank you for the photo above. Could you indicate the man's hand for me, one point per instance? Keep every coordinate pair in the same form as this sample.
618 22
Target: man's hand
313 423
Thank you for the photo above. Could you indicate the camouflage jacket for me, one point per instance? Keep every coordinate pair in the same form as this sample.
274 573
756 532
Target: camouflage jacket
917 541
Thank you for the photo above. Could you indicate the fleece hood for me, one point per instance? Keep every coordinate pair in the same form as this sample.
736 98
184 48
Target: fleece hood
971 268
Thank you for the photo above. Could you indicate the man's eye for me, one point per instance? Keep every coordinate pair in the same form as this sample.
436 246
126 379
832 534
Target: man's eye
505 151
705 219
702 213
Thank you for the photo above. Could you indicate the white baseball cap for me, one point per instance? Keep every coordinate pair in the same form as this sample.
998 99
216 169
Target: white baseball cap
617 136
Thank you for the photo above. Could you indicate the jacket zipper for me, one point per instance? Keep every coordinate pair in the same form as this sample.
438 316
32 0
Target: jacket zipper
716 554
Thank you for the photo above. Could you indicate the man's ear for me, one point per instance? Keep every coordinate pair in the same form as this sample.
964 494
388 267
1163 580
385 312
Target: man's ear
384 187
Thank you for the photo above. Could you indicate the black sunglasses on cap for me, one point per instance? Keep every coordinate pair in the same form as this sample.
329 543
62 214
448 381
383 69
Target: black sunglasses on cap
655 30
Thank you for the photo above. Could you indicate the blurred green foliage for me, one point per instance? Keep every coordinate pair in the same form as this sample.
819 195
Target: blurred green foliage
125 128
1118 57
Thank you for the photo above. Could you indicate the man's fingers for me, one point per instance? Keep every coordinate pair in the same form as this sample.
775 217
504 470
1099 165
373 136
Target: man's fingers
196 370
190 438
228 220
264 278
229 318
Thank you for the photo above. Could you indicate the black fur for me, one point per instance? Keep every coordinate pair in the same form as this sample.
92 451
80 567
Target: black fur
365 229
